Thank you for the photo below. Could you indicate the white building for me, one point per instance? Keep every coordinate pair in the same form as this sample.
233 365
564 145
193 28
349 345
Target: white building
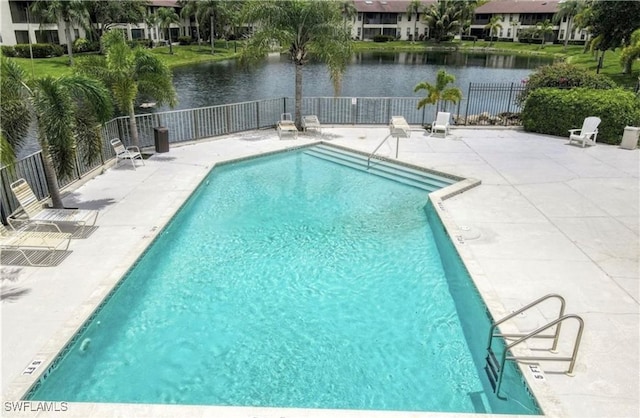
388 17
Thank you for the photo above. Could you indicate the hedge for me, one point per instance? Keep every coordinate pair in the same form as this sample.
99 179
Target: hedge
185 40
39 50
555 111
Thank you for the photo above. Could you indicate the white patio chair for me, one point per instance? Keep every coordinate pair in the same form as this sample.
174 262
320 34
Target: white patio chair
287 125
131 153
587 134
311 122
27 241
36 213
441 123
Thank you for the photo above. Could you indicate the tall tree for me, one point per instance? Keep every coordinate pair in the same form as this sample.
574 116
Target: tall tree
631 52
466 9
348 11
439 92
414 7
210 10
167 16
67 110
543 29
129 72
15 115
304 27
567 10
443 19
105 14
190 9
69 12
494 24
151 20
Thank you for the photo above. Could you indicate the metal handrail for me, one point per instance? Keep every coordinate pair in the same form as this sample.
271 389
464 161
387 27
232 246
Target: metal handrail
524 308
533 333
377 148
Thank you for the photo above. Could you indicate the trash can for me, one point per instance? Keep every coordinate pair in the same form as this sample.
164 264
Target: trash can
630 137
161 139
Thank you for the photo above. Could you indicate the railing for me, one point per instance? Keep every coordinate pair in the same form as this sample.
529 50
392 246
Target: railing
207 122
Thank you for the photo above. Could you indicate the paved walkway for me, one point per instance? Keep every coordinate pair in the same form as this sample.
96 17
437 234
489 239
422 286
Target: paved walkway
547 218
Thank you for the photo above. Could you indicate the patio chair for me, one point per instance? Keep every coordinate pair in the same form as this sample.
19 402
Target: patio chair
587 134
131 153
36 213
311 122
26 242
441 123
399 128
286 124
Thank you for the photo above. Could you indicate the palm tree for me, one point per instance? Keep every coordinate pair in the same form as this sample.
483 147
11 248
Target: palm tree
151 20
210 9
568 9
190 9
439 92
414 7
166 17
67 110
629 54
348 11
443 19
70 12
128 72
304 27
494 24
14 112
544 28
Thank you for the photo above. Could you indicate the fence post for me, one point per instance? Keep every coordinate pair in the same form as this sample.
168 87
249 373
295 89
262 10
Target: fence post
257 114
509 102
196 124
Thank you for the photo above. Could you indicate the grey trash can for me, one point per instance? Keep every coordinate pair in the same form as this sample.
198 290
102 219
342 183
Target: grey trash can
630 137
161 139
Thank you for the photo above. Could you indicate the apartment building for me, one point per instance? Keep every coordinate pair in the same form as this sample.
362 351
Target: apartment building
390 18
516 16
18 26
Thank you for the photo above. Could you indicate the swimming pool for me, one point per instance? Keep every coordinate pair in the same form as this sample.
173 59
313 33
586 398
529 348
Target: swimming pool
289 281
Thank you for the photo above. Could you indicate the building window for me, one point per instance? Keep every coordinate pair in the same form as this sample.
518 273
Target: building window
509 33
399 17
22 37
19 11
359 33
137 34
582 36
76 34
408 17
408 32
561 36
47 37
359 17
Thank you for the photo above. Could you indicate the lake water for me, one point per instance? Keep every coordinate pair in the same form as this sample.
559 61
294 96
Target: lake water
370 74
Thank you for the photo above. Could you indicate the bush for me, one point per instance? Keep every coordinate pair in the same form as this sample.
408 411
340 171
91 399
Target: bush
185 40
383 38
8 51
565 76
555 111
39 50
145 43
468 38
84 45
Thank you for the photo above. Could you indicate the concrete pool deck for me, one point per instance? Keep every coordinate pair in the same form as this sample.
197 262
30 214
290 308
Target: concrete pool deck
547 218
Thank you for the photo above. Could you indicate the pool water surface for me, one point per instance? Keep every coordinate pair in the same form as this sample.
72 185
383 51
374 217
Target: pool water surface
289 281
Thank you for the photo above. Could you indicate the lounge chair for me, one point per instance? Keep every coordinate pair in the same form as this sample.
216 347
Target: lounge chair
26 241
587 134
131 153
441 123
286 124
399 128
311 122
36 213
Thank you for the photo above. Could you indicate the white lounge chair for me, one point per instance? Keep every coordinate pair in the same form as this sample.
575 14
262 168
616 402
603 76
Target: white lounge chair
441 123
399 128
131 153
36 213
587 134
311 122
27 241
287 125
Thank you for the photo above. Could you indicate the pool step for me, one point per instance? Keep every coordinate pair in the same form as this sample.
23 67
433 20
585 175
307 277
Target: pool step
492 368
406 175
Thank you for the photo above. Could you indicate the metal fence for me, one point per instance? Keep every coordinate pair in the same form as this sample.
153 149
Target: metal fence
494 104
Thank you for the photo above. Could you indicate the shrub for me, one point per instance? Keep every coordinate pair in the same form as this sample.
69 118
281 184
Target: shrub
383 38
565 76
555 111
184 40
8 51
468 38
85 45
39 50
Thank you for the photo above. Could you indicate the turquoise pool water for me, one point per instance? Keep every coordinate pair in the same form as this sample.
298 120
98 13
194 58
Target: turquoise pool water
291 281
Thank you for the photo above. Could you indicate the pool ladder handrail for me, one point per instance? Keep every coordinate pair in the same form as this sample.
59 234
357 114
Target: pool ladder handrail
377 148
495 376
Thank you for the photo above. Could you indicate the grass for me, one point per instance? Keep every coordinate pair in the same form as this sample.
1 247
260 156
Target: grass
190 54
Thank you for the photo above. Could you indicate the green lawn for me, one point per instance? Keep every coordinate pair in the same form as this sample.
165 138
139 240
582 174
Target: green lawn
189 54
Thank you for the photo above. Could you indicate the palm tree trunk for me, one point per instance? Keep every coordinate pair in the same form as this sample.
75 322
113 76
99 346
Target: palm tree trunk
298 104
133 126
212 35
51 178
170 46
67 34
198 31
566 38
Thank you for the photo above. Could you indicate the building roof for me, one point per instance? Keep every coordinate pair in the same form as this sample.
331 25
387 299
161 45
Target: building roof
386 6
519 6
164 3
